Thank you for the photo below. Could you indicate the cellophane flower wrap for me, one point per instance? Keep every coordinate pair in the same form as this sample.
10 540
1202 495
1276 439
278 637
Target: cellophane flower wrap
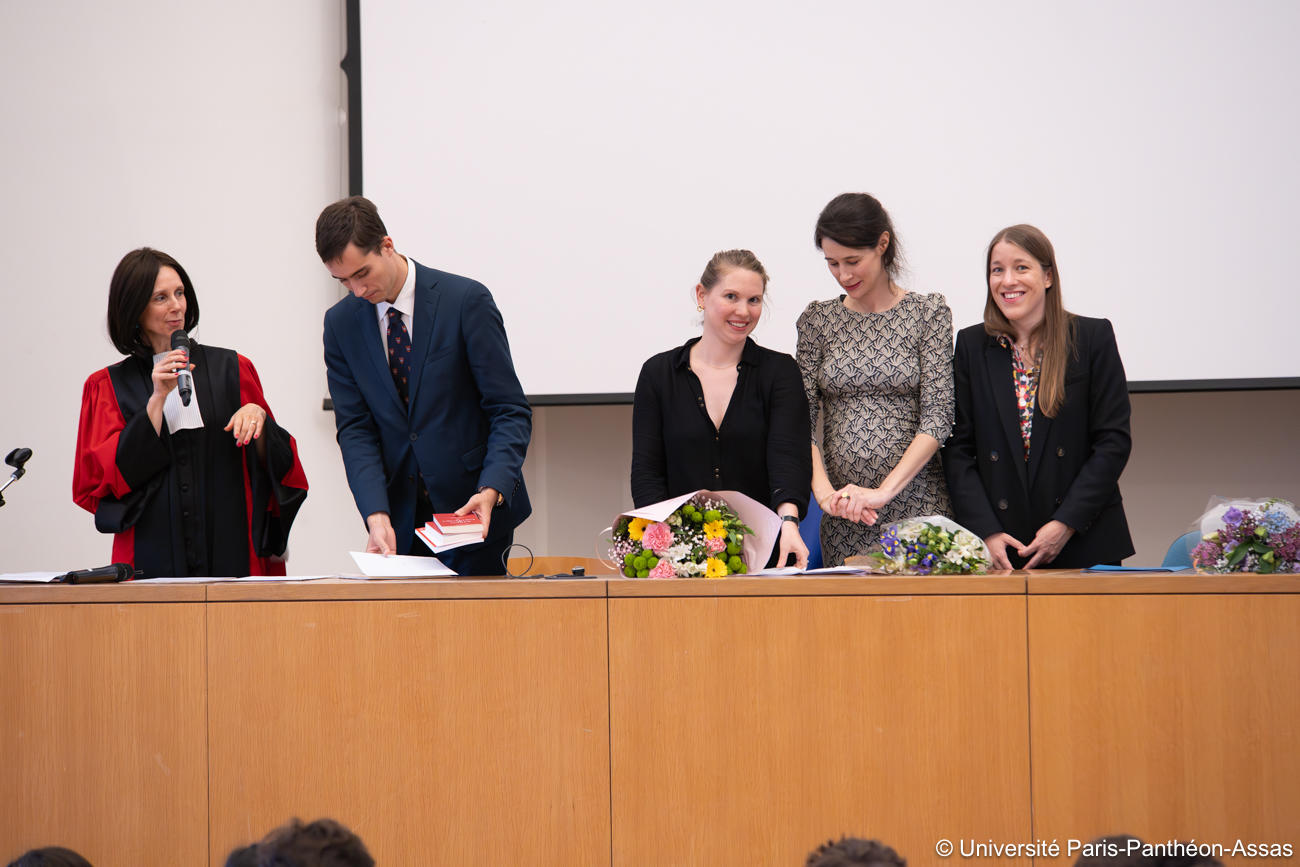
1261 536
700 536
931 545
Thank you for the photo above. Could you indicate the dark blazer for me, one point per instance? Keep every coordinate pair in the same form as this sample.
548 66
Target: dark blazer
1075 459
468 425
760 450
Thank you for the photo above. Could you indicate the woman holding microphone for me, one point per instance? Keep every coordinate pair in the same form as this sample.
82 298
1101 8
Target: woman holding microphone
208 487
1042 428
721 413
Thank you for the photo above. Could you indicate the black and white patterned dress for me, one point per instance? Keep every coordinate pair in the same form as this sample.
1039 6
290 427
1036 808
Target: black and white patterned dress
878 379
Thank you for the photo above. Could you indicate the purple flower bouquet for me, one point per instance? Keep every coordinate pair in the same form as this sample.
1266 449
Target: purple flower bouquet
1261 536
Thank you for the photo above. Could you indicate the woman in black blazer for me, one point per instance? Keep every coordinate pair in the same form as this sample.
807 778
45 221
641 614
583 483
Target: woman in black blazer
722 413
1042 419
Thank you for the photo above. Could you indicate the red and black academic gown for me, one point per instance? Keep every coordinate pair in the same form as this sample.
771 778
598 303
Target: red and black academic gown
191 502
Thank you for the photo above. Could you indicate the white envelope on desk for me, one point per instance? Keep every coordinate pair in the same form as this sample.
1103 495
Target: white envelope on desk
31 577
765 523
400 566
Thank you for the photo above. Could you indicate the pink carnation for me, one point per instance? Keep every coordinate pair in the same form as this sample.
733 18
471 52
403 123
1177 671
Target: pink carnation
658 537
714 546
663 569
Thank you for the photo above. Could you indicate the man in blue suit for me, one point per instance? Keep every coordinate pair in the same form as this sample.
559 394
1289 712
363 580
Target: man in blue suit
430 415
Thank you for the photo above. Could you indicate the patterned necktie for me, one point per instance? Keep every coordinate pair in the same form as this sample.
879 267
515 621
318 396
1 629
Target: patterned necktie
399 354
399 362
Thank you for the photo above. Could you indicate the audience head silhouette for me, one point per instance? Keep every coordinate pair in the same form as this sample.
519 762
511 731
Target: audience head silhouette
244 856
854 852
52 856
323 843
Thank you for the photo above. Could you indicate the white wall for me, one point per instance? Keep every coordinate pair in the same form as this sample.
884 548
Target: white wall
210 131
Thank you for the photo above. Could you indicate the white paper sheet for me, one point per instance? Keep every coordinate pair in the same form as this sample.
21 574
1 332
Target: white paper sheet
795 570
31 577
399 566
438 543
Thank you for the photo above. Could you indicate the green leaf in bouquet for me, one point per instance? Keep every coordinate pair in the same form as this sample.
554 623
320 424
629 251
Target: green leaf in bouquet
1266 567
1238 554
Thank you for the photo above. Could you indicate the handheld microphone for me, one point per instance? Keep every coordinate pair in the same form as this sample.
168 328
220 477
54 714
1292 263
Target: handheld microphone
113 574
184 382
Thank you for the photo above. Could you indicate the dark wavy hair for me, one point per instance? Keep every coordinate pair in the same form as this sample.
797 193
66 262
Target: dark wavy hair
129 293
854 852
323 843
857 220
354 220
51 856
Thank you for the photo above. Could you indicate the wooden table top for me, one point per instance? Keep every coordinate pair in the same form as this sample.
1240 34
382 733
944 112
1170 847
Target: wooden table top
1038 582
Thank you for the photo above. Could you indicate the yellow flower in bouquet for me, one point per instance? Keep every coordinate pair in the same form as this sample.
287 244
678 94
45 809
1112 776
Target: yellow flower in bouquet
636 529
714 530
715 568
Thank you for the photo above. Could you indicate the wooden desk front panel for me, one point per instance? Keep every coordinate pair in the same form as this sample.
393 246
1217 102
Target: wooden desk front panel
103 732
1168 717
442 732
750 730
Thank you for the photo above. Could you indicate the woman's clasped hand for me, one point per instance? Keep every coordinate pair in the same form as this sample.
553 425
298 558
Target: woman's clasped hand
852 503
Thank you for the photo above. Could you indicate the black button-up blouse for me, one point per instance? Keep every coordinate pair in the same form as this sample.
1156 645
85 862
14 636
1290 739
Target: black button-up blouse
761 449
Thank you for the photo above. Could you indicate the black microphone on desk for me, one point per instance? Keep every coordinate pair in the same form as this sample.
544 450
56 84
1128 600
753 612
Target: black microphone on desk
16 459
113 574
184 382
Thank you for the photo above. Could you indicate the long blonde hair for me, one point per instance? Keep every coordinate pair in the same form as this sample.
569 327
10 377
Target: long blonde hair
1054 336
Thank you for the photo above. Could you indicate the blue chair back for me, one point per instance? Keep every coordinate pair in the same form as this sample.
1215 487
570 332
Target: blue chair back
1179 555
810 528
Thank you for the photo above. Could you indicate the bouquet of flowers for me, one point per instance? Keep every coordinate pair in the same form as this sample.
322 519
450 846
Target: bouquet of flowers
699 535
1260 536
932 545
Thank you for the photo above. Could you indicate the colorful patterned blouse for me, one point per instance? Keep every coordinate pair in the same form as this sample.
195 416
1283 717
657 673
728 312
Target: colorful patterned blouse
1026 377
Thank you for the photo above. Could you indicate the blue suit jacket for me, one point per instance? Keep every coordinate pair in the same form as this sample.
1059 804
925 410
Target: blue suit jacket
468 424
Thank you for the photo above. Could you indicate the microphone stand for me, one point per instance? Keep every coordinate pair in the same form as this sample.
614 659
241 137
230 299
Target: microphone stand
16 459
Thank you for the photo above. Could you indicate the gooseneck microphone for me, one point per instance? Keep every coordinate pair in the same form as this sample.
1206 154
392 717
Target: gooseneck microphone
16 459
184 382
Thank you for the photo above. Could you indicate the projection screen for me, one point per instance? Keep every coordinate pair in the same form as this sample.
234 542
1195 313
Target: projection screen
584 160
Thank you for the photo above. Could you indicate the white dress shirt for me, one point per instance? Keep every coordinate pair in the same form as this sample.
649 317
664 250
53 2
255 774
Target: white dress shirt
178 415
405 305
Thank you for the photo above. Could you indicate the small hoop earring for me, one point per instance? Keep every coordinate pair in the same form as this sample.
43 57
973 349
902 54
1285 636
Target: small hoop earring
699 308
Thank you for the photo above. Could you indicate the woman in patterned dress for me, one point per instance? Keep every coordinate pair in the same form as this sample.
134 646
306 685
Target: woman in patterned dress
877 365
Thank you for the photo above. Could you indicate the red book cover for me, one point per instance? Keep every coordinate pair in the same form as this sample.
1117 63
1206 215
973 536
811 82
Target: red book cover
450 523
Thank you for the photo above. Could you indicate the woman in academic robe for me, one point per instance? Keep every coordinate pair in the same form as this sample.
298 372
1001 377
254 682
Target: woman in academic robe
1042 426
722 413
209 488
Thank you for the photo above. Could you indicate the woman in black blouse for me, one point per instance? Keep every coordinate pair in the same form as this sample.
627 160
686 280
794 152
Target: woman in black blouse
724 414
